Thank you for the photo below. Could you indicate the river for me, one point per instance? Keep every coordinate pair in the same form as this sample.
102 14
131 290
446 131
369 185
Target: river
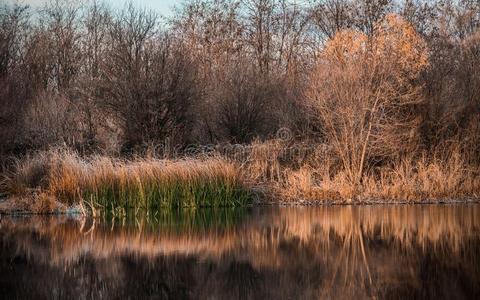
328 252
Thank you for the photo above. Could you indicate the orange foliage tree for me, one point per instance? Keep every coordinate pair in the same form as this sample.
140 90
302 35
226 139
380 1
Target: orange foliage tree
363 93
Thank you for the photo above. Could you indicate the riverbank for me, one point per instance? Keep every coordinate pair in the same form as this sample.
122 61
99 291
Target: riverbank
55 181
60 181
22 207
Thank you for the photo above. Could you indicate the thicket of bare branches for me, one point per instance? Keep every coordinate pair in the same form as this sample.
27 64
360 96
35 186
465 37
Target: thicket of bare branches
375 79
365 94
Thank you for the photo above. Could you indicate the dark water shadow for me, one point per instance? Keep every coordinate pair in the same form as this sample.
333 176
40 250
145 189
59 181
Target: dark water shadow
385 252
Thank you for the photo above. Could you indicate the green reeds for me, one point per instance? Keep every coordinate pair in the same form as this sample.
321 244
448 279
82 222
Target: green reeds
107 184
178 220
157 192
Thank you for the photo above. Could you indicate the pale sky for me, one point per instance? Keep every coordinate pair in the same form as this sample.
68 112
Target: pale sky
163 7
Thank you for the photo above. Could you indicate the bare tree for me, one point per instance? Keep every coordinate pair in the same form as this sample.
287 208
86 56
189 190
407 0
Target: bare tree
94 41
369 12
363 96
245 104
14 27
330 16
59 21
147 82
87 76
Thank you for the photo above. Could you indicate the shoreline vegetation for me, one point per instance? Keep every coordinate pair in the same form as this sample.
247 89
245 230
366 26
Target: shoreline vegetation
61 181
56 180
324 102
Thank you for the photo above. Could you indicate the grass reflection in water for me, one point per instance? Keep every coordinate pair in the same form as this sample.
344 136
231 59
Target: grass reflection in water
341 252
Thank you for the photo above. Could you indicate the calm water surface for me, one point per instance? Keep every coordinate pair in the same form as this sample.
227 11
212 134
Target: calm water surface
425 252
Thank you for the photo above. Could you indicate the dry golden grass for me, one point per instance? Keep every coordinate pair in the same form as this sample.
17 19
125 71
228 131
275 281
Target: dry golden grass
47 181
118 185
436 180
321 179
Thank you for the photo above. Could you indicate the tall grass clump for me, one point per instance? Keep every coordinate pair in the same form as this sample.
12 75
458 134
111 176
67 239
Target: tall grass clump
317 175
113 184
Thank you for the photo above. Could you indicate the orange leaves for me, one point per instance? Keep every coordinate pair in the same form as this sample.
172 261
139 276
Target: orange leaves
345 46
364 94
394 42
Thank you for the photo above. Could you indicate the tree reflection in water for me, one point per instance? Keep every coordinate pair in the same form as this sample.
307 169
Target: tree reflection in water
263 253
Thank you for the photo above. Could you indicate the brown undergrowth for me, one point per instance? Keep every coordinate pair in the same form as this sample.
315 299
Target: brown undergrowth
316 175
272 171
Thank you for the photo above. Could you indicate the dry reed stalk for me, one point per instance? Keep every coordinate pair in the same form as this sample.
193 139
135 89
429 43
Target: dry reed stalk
443 177
113 183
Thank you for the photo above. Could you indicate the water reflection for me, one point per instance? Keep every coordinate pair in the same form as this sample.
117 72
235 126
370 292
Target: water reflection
275 253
